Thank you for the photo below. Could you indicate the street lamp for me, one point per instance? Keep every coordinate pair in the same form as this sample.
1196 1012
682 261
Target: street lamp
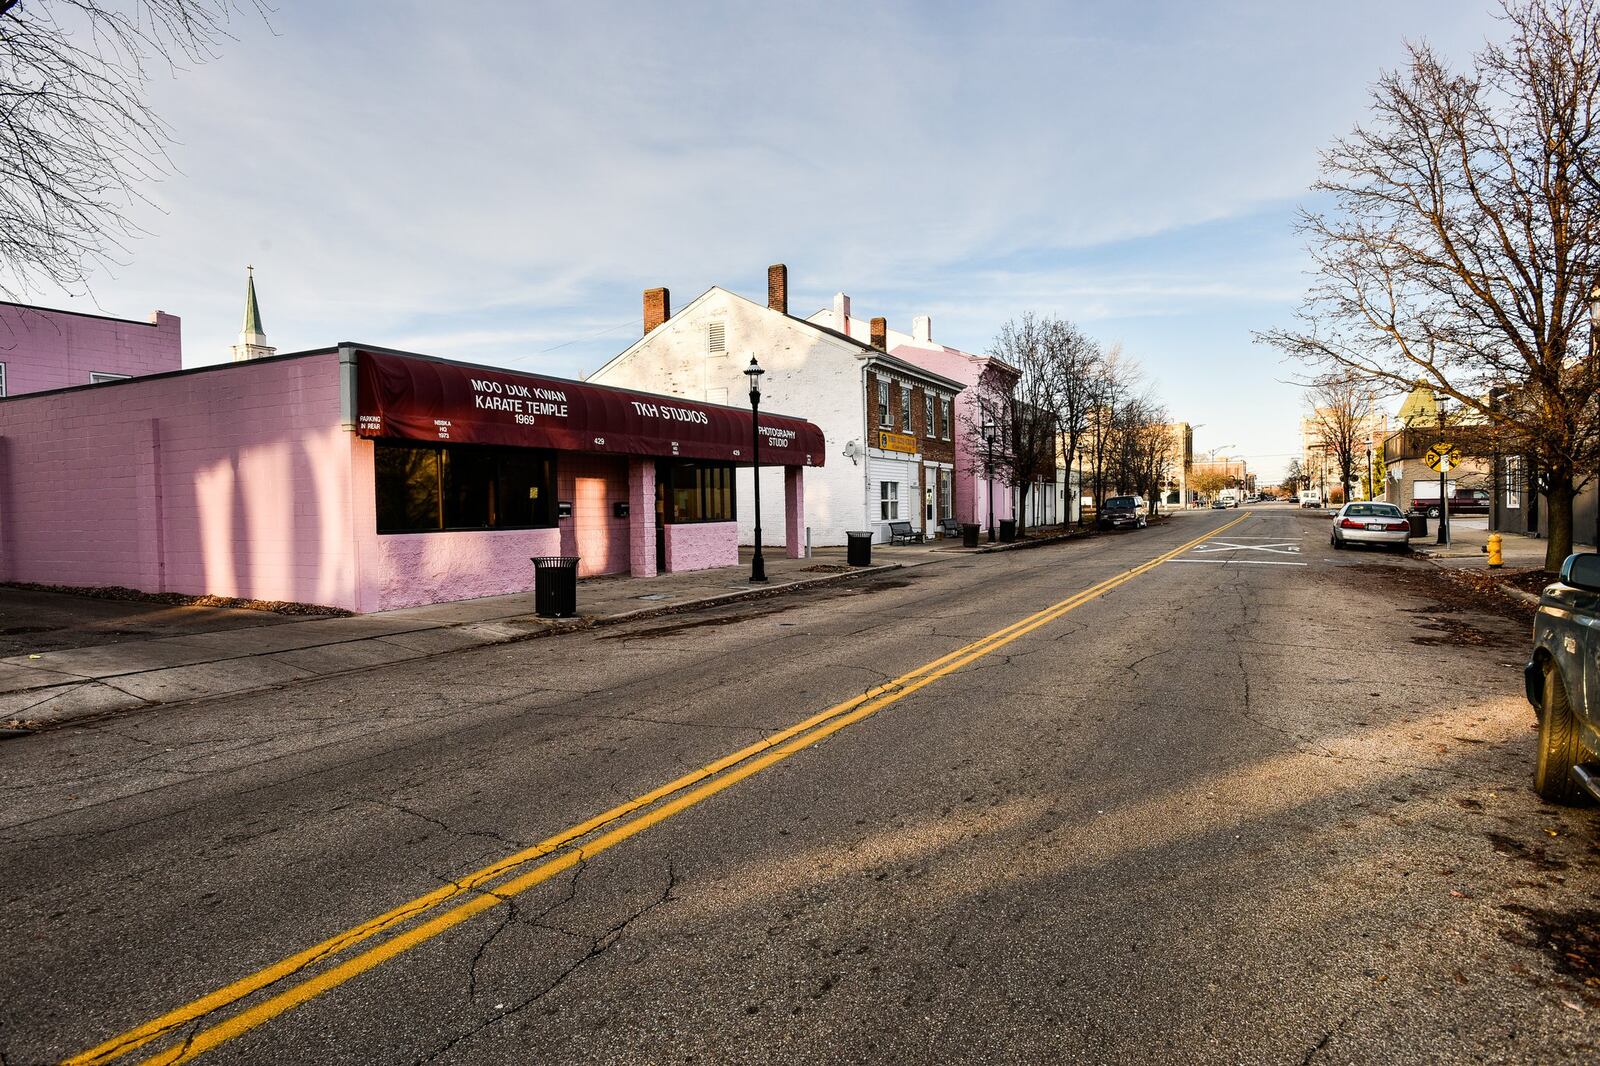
758 566
1594 364
988 439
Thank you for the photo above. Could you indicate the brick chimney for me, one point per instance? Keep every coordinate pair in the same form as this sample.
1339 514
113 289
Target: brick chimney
841 313
922 329
657 308
880 334
778 288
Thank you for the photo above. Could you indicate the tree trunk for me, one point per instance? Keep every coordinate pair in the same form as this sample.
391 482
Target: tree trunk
1558 508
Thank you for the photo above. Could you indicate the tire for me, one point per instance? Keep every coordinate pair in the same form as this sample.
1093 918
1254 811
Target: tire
1558 743
1338 545
1433 512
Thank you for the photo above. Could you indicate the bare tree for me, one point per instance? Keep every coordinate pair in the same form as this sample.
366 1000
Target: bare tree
1116 377
1077 361
1017 395
77 136
1342 412
1463 250
1294 477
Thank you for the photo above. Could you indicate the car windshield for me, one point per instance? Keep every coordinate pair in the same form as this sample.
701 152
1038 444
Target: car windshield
1373 510
1120 503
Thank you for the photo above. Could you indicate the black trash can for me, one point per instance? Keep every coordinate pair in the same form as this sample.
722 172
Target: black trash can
969 534
1419 523
555 586
1008 530
860 549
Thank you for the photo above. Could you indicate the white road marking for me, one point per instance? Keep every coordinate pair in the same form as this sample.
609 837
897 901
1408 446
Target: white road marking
1239 562
1282 547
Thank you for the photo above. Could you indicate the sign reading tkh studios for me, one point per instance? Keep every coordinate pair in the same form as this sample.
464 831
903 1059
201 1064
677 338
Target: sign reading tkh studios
419 398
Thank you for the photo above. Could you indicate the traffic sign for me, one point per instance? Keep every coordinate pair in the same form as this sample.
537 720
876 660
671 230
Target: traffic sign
1443 457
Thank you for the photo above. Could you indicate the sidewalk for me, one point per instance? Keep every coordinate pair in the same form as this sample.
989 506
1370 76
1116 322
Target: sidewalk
72 658
81 666
1469 538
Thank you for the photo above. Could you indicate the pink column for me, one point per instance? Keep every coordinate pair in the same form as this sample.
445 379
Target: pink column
794 511
642 517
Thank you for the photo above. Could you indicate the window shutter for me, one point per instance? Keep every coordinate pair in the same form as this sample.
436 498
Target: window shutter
717 338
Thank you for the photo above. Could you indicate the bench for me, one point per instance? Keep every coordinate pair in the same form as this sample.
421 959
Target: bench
902 533
948 528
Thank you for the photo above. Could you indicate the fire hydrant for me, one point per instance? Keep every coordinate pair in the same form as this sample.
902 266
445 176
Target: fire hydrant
1495 561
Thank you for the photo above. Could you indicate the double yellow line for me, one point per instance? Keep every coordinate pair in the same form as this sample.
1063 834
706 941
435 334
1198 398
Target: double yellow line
485 893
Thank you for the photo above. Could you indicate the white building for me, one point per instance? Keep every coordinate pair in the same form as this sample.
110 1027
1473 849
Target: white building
888 424
974 492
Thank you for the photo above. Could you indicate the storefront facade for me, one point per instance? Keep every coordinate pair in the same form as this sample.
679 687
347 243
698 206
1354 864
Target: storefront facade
368 479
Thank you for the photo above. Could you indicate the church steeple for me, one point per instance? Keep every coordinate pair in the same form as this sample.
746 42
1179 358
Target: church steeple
252 338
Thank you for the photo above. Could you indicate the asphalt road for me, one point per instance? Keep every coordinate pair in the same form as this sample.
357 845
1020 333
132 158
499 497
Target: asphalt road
1262 802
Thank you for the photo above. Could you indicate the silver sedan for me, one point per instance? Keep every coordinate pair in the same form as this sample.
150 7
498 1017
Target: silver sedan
1370 523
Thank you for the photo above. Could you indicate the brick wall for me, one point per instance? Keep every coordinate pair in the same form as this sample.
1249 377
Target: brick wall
44 349
233 482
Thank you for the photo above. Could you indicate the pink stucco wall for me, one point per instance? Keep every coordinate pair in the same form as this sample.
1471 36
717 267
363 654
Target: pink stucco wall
233 482
408 569
241 481
44 349
702 545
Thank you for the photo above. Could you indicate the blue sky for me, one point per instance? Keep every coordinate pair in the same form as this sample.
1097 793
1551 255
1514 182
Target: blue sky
499 183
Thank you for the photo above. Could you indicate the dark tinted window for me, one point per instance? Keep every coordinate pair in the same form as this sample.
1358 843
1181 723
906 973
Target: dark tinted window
428 488
1122 503
699 491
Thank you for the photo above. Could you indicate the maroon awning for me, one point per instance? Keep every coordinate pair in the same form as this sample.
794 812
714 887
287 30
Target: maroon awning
419 398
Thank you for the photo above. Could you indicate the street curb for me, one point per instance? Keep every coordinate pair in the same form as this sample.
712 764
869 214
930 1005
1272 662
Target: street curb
19 727
1509 590
684 607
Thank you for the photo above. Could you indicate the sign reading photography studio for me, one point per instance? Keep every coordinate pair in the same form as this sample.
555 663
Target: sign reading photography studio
419 398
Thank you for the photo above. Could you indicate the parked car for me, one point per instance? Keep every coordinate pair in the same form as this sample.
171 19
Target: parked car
1379 524
1462 501
1564 691
1310 498
1124 512
1219 505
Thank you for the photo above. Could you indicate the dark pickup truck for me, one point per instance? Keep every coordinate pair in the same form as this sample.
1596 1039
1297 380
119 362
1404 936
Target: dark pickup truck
1563 683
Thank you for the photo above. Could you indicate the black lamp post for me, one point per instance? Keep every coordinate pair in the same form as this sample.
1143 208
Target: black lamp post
758 566
1594 358
988 439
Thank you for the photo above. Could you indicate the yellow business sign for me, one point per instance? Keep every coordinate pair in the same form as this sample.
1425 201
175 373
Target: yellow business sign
896 442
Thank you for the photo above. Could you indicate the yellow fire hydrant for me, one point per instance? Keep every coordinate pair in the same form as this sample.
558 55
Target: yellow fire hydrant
1495 561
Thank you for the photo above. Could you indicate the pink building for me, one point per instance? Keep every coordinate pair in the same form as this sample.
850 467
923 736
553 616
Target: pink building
973 490
368 479
42 349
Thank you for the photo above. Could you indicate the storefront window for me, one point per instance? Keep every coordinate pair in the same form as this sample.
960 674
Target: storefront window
947 501
889 500
905 408
434 488
699 491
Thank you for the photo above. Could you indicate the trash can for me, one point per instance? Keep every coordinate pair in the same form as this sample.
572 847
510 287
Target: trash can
1008 530
1419 523
860 549
969 534
555 586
